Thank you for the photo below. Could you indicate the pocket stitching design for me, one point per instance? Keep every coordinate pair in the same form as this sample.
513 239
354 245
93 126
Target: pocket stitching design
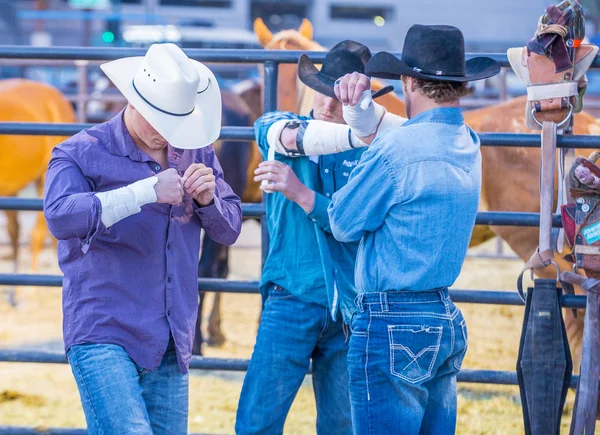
413 328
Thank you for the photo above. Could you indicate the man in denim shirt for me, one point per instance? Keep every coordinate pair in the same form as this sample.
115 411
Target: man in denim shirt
412 202
307 280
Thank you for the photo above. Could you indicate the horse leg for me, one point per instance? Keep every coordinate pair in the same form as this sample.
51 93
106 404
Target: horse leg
208 267
13 233
215 336
38 235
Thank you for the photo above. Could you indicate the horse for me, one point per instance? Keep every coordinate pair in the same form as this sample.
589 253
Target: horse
24 159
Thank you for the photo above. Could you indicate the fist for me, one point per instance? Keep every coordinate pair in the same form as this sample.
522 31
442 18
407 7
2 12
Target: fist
349 88
199 183
169 188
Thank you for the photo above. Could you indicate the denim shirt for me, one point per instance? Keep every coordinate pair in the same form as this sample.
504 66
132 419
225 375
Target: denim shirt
304 257
412 202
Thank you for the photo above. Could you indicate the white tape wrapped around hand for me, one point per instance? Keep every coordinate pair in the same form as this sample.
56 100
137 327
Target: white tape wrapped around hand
363 118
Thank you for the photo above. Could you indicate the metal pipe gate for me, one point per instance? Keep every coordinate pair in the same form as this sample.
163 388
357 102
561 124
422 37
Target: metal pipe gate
271 61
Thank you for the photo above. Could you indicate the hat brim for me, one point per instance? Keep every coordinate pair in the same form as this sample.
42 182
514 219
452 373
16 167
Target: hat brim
199 129
387 66
310 75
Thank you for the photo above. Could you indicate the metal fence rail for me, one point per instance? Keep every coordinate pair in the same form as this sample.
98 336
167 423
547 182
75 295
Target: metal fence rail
271 60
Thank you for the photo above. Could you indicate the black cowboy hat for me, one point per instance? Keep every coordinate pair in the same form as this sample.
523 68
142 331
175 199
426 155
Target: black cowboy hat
346 57
432 53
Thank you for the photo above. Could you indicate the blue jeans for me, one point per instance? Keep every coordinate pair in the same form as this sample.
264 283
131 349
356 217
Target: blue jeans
119 397
405 352
291 332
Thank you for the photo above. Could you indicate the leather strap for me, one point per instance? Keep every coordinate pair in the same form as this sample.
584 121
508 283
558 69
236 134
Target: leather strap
586 399
543 256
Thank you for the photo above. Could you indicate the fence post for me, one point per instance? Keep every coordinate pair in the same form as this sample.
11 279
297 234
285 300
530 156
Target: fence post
269 105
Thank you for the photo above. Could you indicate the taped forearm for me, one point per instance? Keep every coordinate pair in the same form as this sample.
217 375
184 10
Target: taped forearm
120 203
313 138
367 117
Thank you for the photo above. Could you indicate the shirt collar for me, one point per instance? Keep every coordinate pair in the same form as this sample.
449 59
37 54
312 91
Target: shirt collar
445 115
122 144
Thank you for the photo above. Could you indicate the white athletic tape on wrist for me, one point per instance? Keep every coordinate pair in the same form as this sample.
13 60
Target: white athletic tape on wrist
363 122
120 203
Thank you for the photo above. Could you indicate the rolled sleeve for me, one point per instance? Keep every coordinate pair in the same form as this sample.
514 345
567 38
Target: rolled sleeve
319 213
71 208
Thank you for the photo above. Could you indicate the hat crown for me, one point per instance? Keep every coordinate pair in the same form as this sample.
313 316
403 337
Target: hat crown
435 50
345 58
167 80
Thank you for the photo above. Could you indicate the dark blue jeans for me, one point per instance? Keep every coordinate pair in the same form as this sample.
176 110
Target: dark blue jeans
405 352
119 397
291 333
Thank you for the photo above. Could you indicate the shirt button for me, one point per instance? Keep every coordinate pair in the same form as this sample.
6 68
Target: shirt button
169 279
327 195
314 220
169 313
327 171
157 168
169 246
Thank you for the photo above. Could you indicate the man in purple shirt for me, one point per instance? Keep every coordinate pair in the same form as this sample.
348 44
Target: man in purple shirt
127 200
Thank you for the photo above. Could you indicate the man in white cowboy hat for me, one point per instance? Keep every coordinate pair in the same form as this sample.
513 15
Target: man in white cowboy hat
412 202
127 200
307 280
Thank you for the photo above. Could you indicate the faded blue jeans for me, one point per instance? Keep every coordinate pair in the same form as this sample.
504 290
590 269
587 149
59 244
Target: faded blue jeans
405 352
119 397
291 332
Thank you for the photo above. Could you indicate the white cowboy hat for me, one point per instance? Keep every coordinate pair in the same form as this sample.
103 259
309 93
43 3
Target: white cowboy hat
178 96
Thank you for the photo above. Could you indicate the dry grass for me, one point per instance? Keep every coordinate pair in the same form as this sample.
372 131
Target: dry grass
46 395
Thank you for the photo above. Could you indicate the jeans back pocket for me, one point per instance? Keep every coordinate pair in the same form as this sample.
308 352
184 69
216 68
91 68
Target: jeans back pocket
413 351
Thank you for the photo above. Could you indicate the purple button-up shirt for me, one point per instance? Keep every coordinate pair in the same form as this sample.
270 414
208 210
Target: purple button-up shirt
134 283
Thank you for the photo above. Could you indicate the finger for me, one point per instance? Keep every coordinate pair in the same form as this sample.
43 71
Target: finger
268 168
336 89
206 187
201 180
269 176
199 172
271 187
270 163
191 169
344 88
361 86
351 85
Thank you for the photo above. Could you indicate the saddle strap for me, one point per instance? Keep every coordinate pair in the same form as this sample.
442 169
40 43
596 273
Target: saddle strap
586 399
543 256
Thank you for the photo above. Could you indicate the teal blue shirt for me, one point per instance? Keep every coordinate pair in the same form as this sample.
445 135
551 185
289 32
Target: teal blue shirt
304 257
412 202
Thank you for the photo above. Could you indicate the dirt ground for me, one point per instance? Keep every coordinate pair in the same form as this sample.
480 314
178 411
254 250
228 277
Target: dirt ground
46 396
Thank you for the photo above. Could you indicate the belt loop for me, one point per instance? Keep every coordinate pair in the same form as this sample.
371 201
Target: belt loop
359 302
383 300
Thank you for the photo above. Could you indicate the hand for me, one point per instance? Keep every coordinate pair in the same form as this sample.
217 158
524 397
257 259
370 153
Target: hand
199 182
283 179
169 188
348 89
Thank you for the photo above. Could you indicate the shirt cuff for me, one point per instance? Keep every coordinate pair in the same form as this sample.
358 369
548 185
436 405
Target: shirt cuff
318 214
95 225
210 212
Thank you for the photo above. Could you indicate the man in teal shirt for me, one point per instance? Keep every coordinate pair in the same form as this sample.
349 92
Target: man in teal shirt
307 280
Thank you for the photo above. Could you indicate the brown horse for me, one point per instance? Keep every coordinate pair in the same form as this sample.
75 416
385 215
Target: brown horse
24 159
